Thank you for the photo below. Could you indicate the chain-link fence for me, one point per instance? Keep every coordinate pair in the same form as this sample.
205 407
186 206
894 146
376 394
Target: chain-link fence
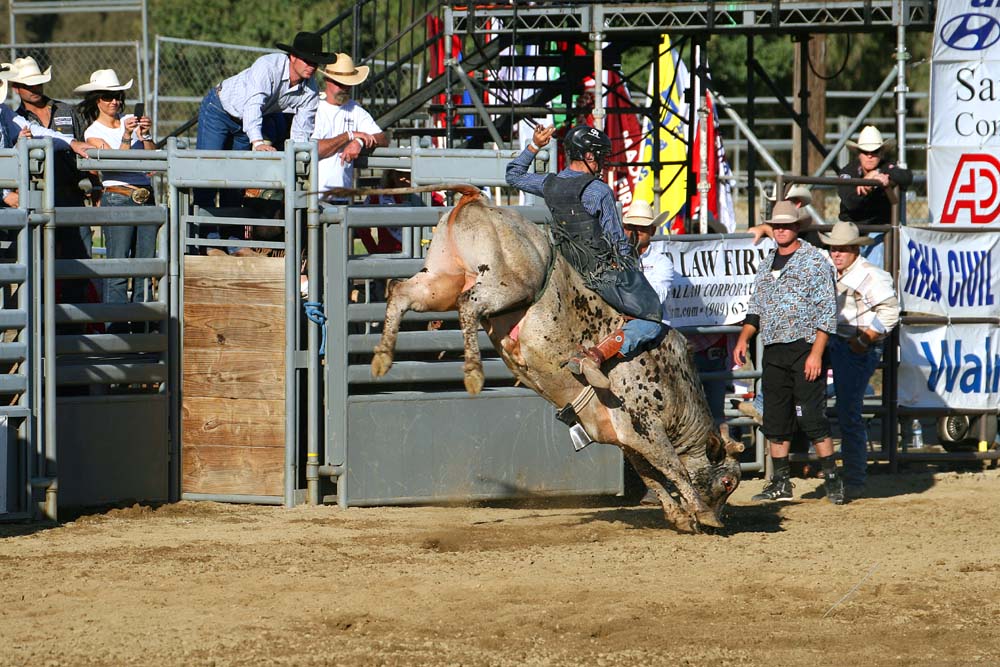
73 62
184 70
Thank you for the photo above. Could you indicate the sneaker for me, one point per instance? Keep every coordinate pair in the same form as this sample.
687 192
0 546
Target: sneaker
834 485
779 488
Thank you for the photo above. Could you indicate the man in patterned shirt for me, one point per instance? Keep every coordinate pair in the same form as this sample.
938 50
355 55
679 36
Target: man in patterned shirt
794 307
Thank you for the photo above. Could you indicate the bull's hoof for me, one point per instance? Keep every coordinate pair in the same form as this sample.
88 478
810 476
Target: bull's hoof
381 363
685 525
708 518
595 376
474 380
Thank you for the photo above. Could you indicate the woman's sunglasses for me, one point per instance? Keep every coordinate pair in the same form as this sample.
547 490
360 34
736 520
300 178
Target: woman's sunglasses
111 97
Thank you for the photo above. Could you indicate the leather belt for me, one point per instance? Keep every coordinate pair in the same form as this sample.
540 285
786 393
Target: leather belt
137 194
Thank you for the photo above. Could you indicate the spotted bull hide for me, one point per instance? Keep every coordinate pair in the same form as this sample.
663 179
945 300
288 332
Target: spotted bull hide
490 264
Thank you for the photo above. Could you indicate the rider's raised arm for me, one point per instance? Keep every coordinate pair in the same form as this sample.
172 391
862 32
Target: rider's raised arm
518 177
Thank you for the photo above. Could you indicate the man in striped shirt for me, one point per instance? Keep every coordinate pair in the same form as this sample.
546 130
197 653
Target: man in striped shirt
234 113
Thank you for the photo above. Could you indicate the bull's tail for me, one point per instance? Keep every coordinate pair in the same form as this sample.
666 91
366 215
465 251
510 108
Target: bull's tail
464 189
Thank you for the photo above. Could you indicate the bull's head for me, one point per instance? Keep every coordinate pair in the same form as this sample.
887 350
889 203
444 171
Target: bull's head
716 481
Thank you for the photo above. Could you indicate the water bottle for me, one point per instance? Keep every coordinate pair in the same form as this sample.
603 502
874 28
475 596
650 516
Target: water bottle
917 441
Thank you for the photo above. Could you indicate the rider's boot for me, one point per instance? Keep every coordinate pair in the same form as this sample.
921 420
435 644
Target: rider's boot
588 362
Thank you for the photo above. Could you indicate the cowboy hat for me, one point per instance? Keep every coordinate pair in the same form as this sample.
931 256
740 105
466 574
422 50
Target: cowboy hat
845 233
103 79
343 71
640 214
800 192
6 71
27 73
309 47
787 213
870 140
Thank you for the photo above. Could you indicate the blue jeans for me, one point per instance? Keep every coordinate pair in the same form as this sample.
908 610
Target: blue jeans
851 373
715 390
122 242
218 131
638 333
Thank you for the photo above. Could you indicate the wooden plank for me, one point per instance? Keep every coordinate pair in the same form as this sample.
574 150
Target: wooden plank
234 327
234 374
209 422
233 470
246 280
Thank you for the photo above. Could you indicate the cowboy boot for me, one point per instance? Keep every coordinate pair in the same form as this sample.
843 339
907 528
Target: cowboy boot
588 362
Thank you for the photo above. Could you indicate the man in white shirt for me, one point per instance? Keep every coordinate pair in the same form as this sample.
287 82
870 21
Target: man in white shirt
232 114
867 310
343 128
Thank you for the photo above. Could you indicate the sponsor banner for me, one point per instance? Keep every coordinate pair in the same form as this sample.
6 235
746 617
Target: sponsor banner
948 274
963 186
965 104
963 171
713 280
956 366
967 30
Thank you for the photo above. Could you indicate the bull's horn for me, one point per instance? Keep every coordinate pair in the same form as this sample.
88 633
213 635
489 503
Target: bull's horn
733 447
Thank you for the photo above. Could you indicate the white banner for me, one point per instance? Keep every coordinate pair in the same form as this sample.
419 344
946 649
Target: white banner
966 30
965 188
964 104
963 172
950 274
713 280
956 366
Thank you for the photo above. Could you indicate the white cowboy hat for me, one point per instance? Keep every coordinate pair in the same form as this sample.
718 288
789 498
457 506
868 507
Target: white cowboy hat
103 79
344 72
845 233
870 140
787 213
6 71
27 73
640 214
800 192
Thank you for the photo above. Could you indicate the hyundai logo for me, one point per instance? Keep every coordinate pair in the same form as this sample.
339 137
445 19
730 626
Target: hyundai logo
971 32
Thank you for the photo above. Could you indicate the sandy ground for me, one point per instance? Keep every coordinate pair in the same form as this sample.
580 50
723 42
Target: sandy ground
908 577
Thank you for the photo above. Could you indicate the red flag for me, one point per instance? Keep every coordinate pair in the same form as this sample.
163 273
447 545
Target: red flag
625 132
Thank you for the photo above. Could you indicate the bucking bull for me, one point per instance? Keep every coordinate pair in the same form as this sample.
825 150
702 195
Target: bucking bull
500 270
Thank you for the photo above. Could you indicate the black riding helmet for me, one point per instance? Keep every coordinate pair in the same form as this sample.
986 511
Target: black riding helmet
584 139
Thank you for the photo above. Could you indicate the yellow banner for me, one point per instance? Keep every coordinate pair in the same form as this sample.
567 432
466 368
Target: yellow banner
670 135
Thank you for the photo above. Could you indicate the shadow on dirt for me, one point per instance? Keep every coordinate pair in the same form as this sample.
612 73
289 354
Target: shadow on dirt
124 509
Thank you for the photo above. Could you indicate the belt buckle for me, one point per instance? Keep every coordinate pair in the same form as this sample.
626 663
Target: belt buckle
140 195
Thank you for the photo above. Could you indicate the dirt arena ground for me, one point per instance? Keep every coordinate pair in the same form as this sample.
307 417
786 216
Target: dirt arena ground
910 576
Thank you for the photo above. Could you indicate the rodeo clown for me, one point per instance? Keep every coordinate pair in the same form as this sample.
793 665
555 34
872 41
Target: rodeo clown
588 232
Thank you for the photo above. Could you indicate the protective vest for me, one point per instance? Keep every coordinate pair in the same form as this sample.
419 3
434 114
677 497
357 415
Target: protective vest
578 236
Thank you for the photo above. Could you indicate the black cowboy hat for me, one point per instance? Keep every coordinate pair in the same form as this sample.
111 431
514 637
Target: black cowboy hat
308 46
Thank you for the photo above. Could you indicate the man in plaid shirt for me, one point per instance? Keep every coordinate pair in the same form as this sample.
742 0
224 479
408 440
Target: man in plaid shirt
794 307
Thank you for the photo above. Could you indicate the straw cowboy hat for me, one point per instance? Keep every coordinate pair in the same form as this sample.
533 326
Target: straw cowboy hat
845 233
344 72
640 214
800 192
870 140
27 73
308 46
103 79
786 213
